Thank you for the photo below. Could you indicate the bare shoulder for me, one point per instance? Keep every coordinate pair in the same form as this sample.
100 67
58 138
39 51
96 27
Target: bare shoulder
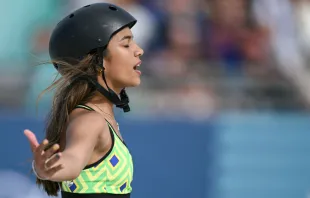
90 121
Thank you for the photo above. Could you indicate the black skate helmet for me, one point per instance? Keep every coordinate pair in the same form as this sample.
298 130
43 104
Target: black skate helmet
89 29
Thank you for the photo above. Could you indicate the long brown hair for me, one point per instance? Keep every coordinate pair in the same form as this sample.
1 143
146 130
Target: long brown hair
70 90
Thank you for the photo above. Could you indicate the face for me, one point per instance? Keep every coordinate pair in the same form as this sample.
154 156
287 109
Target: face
123 61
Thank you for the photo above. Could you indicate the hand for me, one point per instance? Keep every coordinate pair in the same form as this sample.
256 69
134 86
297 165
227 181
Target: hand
44 161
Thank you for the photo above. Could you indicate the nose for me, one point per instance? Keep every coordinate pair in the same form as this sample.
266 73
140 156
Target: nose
139 51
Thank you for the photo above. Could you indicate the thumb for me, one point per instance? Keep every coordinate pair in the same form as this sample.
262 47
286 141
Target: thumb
32 139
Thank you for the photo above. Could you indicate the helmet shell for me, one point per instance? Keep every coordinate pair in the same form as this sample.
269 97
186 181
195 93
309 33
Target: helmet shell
88 28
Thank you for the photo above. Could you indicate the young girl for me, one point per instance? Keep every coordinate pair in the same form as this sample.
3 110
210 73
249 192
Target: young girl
84 155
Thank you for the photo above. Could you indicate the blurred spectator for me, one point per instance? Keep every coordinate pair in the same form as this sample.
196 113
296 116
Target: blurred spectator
175 61
233 54
230 36
278 16
15 41
302 17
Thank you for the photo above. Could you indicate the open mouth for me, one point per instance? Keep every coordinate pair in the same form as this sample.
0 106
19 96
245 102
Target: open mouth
136 67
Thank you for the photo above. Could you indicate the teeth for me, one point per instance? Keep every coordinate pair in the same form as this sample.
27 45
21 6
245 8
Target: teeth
136 67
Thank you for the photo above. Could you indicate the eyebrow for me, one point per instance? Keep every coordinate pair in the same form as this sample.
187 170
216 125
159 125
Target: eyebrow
129 37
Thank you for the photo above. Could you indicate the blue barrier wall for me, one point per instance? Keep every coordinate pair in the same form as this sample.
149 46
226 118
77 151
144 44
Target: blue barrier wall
172 159
233 156
263 155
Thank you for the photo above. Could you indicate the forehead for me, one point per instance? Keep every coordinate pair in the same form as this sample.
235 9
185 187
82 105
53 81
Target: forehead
121 34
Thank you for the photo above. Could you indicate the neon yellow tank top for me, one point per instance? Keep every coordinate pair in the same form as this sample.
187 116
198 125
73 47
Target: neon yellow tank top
112 174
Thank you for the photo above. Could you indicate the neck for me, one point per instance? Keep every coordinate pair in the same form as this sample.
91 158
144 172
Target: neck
103 103
100 100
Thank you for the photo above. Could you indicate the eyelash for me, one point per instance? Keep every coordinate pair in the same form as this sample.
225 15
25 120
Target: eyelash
126 46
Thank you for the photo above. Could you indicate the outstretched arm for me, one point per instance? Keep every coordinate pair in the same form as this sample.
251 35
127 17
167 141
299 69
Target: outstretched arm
81 138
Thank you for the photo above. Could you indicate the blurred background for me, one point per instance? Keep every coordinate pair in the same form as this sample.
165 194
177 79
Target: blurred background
224 105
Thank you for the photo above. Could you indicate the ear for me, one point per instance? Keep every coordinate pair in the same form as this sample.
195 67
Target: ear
100 74
103 64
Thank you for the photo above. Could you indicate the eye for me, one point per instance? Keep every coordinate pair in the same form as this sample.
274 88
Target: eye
126 46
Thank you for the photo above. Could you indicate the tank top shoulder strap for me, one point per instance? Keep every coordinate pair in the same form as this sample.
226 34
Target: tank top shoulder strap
84 107
114 132
110 126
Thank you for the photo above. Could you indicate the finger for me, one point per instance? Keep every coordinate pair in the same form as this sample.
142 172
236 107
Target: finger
40 149
32 139
51 151
53 170
51 161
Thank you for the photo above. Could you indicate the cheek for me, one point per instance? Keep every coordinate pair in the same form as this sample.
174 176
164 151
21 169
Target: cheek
120 73
121 66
